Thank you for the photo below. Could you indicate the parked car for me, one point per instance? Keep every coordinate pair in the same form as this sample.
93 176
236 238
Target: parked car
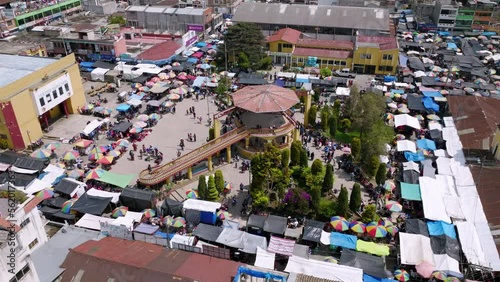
345 73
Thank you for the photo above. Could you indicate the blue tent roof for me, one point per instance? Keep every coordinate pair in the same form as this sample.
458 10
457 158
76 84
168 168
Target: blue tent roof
452 46
397 91
432 94
426 144
135 96
192 60
389 78
122 107
86 64
200 44
430 104
403 60
302 80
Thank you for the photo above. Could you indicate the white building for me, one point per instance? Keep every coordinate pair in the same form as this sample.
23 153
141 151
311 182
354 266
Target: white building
21 232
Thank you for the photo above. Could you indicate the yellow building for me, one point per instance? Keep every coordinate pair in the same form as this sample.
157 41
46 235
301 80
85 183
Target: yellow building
23 49
34 92
288 47
376 55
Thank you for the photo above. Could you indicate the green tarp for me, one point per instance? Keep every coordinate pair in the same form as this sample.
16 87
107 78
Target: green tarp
410 191
120 180
372 248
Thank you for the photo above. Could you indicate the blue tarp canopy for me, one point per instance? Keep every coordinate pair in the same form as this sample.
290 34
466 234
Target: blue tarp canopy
438 228
343 240
410 191
397 91
426 144
432 94
389 78
415 157
368 278
192 60
200 44
429 104
135 96
302 80
444 33
403 60
86 64
452 46
122 108
489 33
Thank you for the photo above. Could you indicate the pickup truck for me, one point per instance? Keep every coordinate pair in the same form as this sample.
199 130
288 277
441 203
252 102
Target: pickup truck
345 73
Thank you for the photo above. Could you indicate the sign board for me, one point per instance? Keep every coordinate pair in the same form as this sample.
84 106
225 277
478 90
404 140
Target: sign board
52 93
195 27
189 38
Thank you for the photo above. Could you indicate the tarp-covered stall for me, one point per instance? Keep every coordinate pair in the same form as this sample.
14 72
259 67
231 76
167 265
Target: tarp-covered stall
275 224
324 270
406 120
265 259
207 232
115 197
70 187
444 245
256 221
416 226
410 191
137 199
432 199
91 204
415 248
171 207
98 74
406 145
343 240
281 246
372 248
240 240
197 211
371 265
30 163
118 180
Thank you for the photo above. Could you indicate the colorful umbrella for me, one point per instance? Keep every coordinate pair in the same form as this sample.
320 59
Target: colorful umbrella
46 193
225 73
400 137
401 275
179 222
339 223
106 160
103 110
41 154
60 165
168 104
99 149
439 275
88 107
392 105
452 279
433 117
419 117
123 142
227 186
403 110
384 222
53 146
143 117
140 124
173 96
155 116
394 206
358 227
392 229
119 211
95 156
70 155
331 259
94 173
168 220
388 116
136 130
389 185
192 194
149 213
222 215
83 143
375 230
425 269
76 173
66 207
114 153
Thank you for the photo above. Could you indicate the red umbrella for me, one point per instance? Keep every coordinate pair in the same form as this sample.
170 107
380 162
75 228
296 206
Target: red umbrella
425 269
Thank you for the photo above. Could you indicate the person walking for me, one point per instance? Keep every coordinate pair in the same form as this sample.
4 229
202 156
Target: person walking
134 146
194 137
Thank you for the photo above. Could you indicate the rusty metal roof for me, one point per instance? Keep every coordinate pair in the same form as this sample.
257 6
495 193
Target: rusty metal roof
265 99
113 258
487 181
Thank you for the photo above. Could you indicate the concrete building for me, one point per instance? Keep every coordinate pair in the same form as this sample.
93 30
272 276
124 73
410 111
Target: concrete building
101 7
27 235
320 22
23 48
445 14
33 92
7 24
174 20
480 15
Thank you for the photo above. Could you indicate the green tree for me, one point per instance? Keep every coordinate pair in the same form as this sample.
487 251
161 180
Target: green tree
355 201
304 160
325 72
343 202
370 214
295 151
117 20
327 180
381 174
313 113
327 209
337 108
222 86
324 117
265 63
202 187
297 202
219 180
332 124
244 38
373 142
260 199
285 158
16 196
352 102
369 109
317 94
315 198
371 166
213 194
243 61
317 167
355 147
345 125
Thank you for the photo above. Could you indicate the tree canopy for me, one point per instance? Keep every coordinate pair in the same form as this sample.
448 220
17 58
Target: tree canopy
213 194
343 202
202 187
381 174
327 184
355 200
117 20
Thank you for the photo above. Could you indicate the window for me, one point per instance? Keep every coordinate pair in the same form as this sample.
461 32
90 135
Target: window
25 222
331 62
365 56
385 68
54 94
287 45
42 101
66 86
48 97
300 60
20 275
33 244
61 92
387 57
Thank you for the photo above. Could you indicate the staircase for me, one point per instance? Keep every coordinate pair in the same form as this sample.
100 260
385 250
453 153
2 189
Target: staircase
163 172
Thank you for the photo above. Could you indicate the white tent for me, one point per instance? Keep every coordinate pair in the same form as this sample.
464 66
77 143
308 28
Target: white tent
93 222
115 197
406 120
134 102
415 248
419 74
125 221
443 166
93 125
343 91
200 205
446 264
406 145
470 242
432 199
36 185
324 270
98 74
264 259
411 166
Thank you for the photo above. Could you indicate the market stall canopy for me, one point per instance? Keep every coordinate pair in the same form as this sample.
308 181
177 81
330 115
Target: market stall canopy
119 180
56 202
170 206
154 103
36 185
275 224
30 163
122 126
312 234
115 197
207 232
371 265
21 180
410 191
265 99
415 249
411 166
200 205
147 229
406 120
93 125
256 221
281 246
242 241
324 270
9 157
343 240
91 204
265 259
416 226
410 177
252 81
343 91
406 145
134 102
69 187
156 89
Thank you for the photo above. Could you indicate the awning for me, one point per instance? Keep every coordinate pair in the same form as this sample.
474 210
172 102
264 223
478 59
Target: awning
432 199
122 126
444 245
281 246
372 248
4 167
406 145
92 222
426 144
93 125
415 103
275 224
134 102
67 187
207 232
438 228
91 204
22 170
115 197
415 248
200 205
416 226
410 176
312 234
410 191
325 270
21 180
31 163
119 180
147 229
36 185
56 202
371 265
343 240
122 107
243 241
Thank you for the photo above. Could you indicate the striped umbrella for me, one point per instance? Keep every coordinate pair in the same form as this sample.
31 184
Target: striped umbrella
375 230
392 229
394 206
41 154
420 117
114 153
192 194
389 185
388 116
149 213
439 275
66 207
53 146
99 149
143 117
401 275
106 160
70 155
83 143
433 117
331 259
95 156
155 116
94 174
384 222
173 96
339 223
136 130
168 104
358 227
123 143
76 173
45 193
452 279
119 211
179 222
168 220
403 110
222 215
60 165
